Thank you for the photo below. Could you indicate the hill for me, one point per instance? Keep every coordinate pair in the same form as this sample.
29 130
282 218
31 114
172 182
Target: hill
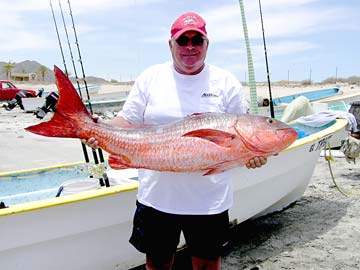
29 66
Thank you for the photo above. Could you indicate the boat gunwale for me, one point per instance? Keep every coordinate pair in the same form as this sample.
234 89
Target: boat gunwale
295 95
338 97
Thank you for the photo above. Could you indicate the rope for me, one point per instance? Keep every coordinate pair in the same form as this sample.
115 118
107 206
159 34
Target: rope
340 189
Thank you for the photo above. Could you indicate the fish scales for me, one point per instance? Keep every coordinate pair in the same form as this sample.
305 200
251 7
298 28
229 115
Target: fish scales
159 147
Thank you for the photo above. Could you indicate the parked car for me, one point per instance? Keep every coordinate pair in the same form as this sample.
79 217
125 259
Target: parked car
8 91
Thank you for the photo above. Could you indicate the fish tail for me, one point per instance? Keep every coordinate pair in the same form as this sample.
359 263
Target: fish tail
70 113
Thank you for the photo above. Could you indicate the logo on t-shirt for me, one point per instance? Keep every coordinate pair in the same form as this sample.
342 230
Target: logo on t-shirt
205 95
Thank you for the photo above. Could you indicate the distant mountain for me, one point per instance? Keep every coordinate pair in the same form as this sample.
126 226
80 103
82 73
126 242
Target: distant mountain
28 66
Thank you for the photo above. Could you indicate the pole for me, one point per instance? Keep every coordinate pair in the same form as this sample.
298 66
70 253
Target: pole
288 77
272 113
336 74
252 83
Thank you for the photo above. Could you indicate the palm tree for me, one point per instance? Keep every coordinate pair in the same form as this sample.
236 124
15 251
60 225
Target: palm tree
8 67
252 82
42 71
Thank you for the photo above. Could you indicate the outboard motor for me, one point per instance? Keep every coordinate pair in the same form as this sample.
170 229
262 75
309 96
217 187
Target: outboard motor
3 205
16 101
355 110
40 92
351 145
50 102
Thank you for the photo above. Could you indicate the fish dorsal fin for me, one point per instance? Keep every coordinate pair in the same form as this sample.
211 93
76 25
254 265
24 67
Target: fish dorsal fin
219 137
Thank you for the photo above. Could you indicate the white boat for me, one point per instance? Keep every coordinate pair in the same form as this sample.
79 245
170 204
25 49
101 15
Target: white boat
32 104
339 102
280 103
90 230
92 90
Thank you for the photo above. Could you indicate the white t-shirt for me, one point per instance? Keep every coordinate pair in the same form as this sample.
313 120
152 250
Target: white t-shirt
161 95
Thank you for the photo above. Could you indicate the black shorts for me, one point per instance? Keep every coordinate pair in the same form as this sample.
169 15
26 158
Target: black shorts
157 233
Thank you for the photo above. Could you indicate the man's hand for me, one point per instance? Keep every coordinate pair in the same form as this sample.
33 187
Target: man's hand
117 121
256 162
92 142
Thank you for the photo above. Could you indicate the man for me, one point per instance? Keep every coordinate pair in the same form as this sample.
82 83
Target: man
170 203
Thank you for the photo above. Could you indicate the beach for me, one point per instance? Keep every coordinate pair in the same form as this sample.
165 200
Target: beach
320 231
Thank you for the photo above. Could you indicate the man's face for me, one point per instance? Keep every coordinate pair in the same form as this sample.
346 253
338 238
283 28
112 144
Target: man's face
189 52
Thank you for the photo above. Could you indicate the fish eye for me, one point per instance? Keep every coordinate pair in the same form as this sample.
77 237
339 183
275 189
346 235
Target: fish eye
271 120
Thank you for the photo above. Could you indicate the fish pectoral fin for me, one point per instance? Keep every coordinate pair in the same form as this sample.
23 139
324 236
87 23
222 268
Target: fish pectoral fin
222 138
119 162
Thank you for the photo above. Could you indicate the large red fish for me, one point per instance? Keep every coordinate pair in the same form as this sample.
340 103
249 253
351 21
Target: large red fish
208 142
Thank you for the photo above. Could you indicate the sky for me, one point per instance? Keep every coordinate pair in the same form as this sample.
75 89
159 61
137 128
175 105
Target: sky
118 39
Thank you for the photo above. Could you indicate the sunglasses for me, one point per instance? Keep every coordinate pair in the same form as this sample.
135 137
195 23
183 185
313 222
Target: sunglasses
197 40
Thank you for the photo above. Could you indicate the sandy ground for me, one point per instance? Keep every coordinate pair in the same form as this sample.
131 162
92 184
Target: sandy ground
321 231
20 150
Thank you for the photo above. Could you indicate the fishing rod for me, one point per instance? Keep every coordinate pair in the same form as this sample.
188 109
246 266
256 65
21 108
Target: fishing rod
70 50
58 36
101 156
80 60
96 160
272 113
86 156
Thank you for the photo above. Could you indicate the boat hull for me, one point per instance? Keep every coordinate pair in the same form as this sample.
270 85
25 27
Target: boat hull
87 234
90 230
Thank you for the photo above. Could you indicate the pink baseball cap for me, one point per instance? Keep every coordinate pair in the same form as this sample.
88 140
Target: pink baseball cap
188 21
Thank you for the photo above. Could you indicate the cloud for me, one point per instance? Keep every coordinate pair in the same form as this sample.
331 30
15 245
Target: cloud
25 40
282 18
290 47
77 6
122 27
